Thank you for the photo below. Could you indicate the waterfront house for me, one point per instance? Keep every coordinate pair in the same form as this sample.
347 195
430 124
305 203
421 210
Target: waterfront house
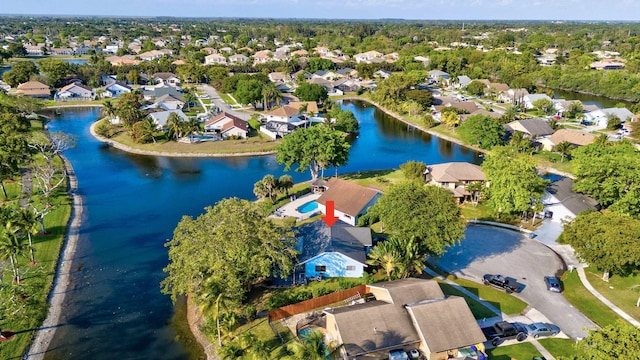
454 176
573 137
160 117
74 91
350 200
34 89
562 204
227 125
531 128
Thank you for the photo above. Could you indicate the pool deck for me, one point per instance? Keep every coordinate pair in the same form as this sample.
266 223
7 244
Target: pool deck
290 209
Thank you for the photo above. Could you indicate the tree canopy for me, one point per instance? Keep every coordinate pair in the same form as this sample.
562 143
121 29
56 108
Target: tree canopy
427 213
605 240
481 130
616 341
311 92
610 173
226 250
516 186
316 148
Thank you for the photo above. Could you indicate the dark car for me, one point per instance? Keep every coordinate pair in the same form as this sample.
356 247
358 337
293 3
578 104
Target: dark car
508 284
553 284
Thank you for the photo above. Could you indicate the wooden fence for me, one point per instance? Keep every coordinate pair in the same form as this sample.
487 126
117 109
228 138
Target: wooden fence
319 302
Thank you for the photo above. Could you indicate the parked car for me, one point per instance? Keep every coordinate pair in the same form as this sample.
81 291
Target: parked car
502 282
553 284
414 354
542 329
398 355
502 331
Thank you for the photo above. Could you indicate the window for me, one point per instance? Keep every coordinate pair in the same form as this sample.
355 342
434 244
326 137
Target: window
351 268
320 268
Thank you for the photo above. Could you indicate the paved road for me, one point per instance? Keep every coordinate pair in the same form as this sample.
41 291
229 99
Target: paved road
217 100
493 250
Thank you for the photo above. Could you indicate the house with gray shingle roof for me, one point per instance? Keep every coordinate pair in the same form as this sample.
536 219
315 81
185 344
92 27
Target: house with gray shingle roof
454 176
563 204
408 313
531 128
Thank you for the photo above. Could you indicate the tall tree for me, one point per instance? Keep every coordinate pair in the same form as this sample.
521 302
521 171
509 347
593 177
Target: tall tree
26 222
317 148
174 126
481 130
270 93
311 347
285 182
55 70
564 148
414 170
267 187
429 214
515 184
606 240
231 245
249 92
20 73
615 341
128 109
397 258
311 92
11 245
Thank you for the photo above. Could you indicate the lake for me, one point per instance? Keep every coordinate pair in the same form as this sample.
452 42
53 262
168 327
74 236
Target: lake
114 308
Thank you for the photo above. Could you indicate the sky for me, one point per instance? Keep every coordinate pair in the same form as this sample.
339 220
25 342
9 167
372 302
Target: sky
597 10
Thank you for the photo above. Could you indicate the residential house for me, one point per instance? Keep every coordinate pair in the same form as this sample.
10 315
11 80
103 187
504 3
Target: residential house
34 50
463 81
333 251
392 57
600 118
154 92
238 59
305 106
347 85
226 49
529 99
562 204
34 89
466 107
369 57
513 96
454 176
325 75
215 59
285 113
61 51
573 137
350 200
531 128
498 88
279 76
179 62
407 313
74 91
154 54
322 51
227 125
115 89
166 78
261 57
299 53
382 74
482 112
608 64
347 72
123 60
439 76
160 117
210 50
166 102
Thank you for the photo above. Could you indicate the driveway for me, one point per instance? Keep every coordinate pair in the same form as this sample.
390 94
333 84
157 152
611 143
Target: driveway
487 249
217 100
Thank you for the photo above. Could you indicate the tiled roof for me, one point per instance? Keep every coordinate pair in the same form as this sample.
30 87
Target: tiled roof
348 197
456 172
571 136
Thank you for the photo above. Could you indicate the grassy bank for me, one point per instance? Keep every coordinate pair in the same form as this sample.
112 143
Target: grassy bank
522 351
623 291
559 347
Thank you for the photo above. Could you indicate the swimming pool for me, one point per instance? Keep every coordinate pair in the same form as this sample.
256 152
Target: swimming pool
307 207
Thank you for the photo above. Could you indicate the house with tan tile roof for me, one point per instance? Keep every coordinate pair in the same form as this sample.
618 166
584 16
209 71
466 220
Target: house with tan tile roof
454 176
350 200
310 106
367 57
283 114
238 58
215 59
573 137
34 89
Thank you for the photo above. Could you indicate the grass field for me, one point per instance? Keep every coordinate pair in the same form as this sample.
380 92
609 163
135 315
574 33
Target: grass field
506 303
559 347
522 351
622 291
584 301
479 311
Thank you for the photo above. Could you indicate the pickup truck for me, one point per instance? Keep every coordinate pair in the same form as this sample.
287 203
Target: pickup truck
508 284
503 330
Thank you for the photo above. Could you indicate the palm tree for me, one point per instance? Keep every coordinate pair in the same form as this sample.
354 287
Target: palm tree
270 93
191 126
385 257
26 221
310 347
230 350
564 148
602 140
109 109
189 98
11 246
412 259
174 126
285 182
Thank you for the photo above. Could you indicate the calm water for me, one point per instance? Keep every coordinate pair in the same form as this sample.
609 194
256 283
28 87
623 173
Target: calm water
600 101
114 309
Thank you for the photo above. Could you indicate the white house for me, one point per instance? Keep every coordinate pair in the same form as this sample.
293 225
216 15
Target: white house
115 89
367 57
382 74
238 59
74 92
562 204
166 78
350 200
439 76
215 59
227 125
529 99
283 114
160 117
336 251
600 118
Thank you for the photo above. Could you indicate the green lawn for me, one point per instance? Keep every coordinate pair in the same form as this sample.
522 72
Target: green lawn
379 179
522 351
480 212
584 301
506 303
479 311
226 98
559 347
622 291
553 160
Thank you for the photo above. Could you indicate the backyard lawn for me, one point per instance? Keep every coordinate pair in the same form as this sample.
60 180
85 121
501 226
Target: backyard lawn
559 347
622 291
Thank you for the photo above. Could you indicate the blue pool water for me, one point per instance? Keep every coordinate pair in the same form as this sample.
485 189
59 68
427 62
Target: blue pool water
305 331
307 207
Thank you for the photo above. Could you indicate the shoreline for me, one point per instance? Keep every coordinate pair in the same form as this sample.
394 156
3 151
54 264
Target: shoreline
132 150
62 279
